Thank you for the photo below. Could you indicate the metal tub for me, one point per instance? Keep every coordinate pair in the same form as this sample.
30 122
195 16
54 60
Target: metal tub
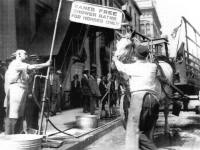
87 121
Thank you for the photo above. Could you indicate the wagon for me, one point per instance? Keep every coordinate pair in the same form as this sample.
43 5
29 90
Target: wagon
186 63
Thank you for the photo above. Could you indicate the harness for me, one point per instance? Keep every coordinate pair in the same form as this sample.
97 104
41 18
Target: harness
148 91
164 81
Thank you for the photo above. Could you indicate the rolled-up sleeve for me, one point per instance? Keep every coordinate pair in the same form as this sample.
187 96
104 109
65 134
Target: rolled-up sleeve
22 66
125 68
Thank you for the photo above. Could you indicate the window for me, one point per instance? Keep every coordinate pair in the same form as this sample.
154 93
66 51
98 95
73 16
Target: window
142 29
148 29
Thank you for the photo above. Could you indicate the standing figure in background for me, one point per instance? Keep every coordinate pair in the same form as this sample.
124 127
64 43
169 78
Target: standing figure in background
103 90
113 93
2 96
86 91
55 92
16 85
75 91
60 94
95 91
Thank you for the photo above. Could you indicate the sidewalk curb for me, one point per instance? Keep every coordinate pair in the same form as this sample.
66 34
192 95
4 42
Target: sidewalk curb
88 139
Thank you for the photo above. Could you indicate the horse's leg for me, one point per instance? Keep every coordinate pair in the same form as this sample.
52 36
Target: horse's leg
109 109
149 116
166 113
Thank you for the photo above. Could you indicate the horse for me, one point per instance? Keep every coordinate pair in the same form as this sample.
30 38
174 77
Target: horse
125 53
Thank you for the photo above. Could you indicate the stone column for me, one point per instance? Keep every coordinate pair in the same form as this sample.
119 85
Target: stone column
32 18
87 50
108 52
8 43
98 62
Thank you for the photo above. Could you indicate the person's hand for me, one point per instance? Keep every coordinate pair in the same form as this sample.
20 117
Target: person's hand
112 65
114 58
48 63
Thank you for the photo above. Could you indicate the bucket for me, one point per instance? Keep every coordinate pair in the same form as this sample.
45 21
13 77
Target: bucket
87 121
21 142
176 108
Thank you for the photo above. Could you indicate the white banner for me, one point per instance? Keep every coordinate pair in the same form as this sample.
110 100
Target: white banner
96 15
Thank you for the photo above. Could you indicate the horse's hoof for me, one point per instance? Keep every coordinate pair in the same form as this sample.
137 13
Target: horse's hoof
168 134
176 131
167 130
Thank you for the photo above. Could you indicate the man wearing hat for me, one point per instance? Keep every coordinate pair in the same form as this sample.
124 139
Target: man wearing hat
16 83
86 91
2 95
94 90
142 81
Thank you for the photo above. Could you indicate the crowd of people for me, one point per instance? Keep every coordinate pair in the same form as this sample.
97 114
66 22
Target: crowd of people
90 91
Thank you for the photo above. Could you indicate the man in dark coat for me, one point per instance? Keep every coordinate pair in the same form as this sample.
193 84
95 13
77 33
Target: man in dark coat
95 91
75 91
103 89
86 91
2 96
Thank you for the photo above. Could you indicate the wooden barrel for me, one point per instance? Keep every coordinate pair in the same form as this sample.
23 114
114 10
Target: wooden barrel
87 121
21 142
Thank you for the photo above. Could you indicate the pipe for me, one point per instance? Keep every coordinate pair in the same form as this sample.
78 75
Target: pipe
48 70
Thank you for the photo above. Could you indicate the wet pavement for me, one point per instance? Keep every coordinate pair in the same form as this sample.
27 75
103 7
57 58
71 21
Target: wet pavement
74 138
185 134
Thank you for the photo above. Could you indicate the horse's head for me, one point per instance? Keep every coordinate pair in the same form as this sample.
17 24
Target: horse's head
123 46
125 49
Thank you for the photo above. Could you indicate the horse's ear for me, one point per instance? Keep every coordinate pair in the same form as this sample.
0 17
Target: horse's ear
118 34
117 41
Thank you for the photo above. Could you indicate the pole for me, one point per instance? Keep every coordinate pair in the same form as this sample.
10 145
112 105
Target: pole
48 70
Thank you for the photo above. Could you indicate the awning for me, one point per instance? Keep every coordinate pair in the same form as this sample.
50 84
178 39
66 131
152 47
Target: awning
41 43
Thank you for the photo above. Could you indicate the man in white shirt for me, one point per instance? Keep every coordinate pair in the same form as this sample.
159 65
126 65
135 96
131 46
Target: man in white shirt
142 80
16 82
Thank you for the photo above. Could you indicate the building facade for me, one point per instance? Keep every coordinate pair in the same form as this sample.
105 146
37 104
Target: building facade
149 21
29 25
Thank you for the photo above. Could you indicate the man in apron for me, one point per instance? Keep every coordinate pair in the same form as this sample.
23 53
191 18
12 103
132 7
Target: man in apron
143 104
16 84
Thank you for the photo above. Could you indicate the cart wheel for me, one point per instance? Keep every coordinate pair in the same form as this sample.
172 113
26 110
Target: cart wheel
197 109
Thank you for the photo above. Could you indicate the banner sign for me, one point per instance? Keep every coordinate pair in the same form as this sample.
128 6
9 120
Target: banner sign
96 15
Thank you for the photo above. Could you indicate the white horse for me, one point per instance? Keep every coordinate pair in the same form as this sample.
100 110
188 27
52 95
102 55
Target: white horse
125 53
